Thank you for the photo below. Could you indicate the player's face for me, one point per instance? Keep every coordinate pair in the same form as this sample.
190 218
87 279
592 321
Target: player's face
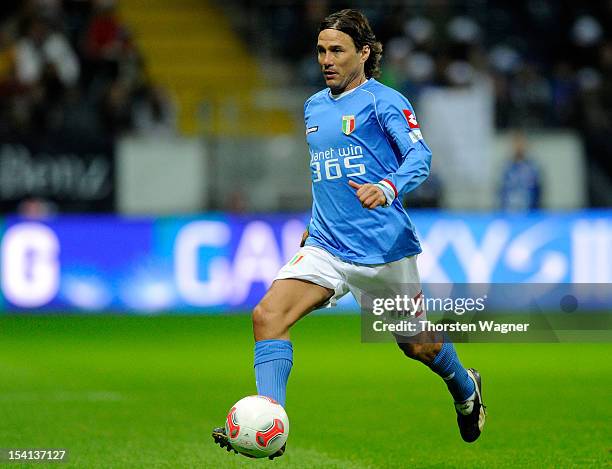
341 63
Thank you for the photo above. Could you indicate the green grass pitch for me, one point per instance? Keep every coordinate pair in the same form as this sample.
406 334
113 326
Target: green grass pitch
123 392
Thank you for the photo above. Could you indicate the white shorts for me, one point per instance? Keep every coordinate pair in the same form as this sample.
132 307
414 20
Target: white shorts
365 282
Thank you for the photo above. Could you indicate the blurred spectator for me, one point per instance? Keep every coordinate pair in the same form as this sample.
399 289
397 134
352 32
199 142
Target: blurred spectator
115 111
76 16
521 183
107 43
115 77
421 31
7 60
9 88
419 71
564 91
530 97
397 52
586 35
46 68
153 111
44 57
595 122
36 208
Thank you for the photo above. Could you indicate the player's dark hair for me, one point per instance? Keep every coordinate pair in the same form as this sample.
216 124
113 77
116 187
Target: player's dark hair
356 25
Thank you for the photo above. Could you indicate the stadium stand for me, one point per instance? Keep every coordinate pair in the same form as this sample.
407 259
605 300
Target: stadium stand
194 52
240 69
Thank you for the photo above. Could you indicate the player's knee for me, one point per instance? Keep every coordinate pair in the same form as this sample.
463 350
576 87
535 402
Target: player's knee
266 320
259 316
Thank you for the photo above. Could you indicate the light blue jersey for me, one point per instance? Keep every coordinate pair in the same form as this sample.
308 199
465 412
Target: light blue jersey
369 135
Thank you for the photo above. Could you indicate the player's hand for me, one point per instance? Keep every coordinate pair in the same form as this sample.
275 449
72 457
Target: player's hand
304 236
370 195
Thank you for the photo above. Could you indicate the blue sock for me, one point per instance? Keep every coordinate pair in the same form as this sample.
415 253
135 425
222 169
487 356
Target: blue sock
447 365
273 360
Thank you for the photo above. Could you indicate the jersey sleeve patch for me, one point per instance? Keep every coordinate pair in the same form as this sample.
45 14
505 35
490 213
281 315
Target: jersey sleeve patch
410 117
415 135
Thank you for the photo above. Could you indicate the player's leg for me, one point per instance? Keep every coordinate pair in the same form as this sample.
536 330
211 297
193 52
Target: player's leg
439 354
308 281
433 350
284 304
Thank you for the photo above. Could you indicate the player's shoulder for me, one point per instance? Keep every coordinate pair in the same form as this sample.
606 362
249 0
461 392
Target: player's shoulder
383 94
318 96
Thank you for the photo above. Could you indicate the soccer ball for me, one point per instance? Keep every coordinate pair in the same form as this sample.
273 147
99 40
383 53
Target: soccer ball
257 426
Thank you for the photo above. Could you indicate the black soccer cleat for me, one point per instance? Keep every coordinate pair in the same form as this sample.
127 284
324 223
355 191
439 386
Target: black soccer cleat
220 438
471 425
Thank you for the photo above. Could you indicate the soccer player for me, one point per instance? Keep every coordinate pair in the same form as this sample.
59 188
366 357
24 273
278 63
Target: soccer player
366 149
